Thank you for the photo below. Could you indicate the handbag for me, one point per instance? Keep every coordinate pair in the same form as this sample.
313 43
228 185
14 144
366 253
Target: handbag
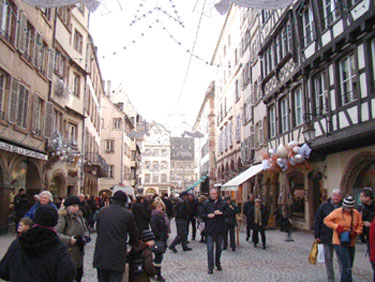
201 226
313 253
159 247
344 236
321 258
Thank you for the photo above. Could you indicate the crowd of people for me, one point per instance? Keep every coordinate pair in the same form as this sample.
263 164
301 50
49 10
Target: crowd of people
53 234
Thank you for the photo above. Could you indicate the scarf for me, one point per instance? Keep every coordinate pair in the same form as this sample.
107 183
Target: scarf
258 217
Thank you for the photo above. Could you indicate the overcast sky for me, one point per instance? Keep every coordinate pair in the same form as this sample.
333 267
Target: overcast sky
152 70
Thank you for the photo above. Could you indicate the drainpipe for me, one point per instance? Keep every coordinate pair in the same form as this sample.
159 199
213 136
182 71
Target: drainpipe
122 149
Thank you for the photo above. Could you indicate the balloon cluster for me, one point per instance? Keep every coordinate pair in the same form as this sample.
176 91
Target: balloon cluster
287 156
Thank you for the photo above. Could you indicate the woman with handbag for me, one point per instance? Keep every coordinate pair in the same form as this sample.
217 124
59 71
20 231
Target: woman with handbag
73 232
201 225
159 226
346 223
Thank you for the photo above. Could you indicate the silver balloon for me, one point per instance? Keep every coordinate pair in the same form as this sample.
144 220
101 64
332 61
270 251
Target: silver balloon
296 150
299 158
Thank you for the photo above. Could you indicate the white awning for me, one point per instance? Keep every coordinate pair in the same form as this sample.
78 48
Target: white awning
232 185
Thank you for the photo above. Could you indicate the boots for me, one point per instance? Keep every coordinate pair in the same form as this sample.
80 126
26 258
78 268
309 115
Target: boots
158 274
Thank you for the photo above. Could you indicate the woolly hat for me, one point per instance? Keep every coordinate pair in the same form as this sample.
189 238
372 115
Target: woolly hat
72 200
348 202
147 235
46 215
120 197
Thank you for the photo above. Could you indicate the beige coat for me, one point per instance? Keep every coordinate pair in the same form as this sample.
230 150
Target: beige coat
70 225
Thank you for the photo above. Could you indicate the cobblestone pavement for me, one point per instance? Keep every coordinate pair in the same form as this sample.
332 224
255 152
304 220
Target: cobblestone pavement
281 261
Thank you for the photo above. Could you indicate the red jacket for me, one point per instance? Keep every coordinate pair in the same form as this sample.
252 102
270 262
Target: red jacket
372 241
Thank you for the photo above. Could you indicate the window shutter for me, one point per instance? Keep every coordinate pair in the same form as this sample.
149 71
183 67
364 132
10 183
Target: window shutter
22 32
19 115
40 53
48 121
13 101
25 108
51 63
2 4
36 49
35 113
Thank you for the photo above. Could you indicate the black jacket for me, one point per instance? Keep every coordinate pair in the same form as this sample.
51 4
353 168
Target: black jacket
168 206
230 217
140 216
246 209
264 213
37 256
21 204
113 225
368 214
193 209
216 225
182 209
158 226
322 232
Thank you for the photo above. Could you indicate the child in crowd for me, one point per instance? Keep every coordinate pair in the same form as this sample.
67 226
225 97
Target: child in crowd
24 225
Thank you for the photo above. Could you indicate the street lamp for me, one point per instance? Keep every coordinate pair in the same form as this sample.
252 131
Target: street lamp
309 133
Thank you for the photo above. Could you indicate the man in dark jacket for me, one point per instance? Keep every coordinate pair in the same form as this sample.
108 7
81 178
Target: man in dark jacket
182 216
230 222
323 234
168 206
258 217
212 211
21 205
113 225
193 213
246 209
140 215
38 254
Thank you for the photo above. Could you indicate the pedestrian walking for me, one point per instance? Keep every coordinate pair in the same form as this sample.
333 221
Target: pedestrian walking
193 213
73 232
168 206
212 212
159 226
114 223
38 254
230 223
21 205
45 198
182 216
246 209
323 234
141 267
201 227
345 221
259 221
141 217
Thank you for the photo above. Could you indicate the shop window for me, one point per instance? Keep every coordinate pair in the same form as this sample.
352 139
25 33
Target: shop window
297 186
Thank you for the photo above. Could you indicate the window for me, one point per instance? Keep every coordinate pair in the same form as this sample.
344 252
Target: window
230 125
237 90
22 106
155 178
351 3
238 129
58 119
80 6
8 20
117 123
298 195
72 130
109 146
147 165
163 152
266 14
60 64
373 58
163 178
164 165
2 94
272 118
298 107
308 25
320 93
110 171
260 139
348 79
147 178
155 165
284 115
78 41
37 115
64 14
46 12
76 84
29 47
329 12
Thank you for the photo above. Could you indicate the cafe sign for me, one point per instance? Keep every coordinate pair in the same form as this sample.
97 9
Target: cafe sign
22 151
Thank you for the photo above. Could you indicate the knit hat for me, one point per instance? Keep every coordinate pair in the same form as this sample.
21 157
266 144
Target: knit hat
46 215
120 197
348 202
72 200
147 235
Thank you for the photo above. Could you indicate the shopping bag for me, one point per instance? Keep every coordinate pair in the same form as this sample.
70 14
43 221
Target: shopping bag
320 258
313 253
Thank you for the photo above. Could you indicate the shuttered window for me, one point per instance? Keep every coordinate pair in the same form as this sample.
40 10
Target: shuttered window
2 94
13 101
51 63
7 20
348 79
48 120
37 114
272 121
22 31
298 107
22 106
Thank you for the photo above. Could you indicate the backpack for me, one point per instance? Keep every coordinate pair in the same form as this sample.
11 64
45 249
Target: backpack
136 262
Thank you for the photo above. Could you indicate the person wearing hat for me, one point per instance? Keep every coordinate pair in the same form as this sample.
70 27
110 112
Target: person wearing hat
141 267
73 232
115 224
258 217
38 254
342 219
182 217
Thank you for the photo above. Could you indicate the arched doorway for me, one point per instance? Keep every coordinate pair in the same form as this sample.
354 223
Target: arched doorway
57 186
150 191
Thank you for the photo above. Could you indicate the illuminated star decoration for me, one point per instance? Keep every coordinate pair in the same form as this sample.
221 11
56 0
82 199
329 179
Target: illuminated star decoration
143 12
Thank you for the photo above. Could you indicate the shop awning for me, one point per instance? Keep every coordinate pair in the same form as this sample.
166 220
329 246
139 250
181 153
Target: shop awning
233 184
196 183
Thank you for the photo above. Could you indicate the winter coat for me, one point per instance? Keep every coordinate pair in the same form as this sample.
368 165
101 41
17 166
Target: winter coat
168 206
371 239
182 209
337 217
158 226
193 209
71 225
21 204
142 251
230 217
31 212
322 232
264 213
140 216
246 209
213 226
368 214
113 225
37 256
86 211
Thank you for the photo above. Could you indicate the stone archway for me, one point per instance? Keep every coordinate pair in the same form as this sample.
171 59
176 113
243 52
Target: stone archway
150 191
58 184
353 169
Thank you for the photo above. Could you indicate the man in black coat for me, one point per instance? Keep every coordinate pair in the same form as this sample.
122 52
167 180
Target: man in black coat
212 211
246 209
193 213
21 204
114 223
140 215
258 217
168 206
182 217
323 234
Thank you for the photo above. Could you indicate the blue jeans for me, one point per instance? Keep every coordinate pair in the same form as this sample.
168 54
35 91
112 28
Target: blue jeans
109 276
345 255
218 239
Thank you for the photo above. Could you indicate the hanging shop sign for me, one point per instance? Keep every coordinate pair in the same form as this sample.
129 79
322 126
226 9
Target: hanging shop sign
24 152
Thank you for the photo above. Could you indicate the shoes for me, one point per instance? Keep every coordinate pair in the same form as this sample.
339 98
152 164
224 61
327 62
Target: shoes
173 249
219 268
225 248
233 249
255 245
187 249
187 242
210 272
160 278
264 247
